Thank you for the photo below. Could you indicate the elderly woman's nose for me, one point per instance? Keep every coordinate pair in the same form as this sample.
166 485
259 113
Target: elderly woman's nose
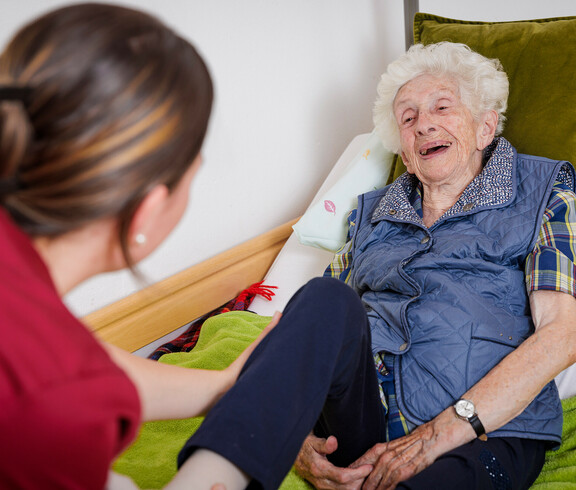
425 124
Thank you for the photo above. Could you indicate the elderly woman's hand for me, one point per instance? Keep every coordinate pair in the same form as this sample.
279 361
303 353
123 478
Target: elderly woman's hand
402 458
398 460
313 465
381 467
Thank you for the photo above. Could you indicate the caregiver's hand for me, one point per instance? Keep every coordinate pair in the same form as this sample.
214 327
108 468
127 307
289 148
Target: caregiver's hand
235 368
313 465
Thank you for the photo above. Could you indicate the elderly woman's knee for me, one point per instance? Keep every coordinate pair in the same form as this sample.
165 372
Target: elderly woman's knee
329 289
333 304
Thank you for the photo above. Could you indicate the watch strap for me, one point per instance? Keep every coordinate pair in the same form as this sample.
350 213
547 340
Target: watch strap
478 427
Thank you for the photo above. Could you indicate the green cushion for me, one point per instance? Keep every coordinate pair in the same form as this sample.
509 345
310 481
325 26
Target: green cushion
539 57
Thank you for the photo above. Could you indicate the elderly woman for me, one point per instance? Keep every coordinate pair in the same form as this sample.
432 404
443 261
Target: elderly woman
466 267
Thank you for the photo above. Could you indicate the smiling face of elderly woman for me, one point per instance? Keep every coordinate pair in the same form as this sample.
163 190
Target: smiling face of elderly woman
441 141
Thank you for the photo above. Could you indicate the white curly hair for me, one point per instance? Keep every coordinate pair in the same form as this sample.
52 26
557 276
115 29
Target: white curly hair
482 82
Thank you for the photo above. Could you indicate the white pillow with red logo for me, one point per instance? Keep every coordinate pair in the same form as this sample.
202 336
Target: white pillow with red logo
324 225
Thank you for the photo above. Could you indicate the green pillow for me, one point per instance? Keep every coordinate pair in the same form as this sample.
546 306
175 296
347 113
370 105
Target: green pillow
539 57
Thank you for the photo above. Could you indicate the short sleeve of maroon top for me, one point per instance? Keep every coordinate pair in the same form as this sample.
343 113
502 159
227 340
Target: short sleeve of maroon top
66 410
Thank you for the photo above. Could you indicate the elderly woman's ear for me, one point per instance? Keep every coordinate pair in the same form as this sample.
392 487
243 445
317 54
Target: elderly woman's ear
487 129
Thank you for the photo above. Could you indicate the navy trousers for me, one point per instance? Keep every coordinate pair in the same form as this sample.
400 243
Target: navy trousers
314 371
318 356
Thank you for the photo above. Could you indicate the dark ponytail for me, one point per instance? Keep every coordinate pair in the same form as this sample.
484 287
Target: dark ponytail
15 136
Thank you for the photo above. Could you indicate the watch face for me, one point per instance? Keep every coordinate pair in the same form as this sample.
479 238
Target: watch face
464 408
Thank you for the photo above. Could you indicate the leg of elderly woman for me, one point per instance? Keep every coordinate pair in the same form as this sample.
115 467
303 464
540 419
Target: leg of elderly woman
320 351
505 463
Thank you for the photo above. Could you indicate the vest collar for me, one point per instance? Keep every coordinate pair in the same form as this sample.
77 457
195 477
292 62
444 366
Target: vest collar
495 186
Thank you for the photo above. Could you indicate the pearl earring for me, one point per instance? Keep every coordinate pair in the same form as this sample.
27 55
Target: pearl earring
140 239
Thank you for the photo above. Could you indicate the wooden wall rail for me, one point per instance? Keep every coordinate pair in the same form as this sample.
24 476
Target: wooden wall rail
161 308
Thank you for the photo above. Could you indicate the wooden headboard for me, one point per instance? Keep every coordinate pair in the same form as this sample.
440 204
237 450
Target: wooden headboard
161 308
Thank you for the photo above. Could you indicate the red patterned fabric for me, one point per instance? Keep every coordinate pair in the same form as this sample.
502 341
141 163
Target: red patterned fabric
186 341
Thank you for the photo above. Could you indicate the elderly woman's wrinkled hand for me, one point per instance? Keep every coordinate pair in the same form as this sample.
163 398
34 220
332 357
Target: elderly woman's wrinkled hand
313 465
399 460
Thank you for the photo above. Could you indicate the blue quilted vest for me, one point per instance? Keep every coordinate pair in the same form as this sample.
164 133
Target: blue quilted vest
450 300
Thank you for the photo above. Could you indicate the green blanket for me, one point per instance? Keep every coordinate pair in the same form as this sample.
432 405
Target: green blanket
151 460
559 470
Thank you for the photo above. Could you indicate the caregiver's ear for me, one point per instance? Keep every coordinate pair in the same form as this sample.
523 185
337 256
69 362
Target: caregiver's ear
148 216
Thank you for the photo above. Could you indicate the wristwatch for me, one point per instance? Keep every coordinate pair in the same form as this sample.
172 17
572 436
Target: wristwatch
466 410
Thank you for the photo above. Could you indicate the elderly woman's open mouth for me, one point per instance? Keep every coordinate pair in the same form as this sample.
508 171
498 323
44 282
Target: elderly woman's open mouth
434 148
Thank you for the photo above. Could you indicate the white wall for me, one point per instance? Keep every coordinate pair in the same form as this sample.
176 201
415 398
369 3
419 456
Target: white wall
295 81
499 10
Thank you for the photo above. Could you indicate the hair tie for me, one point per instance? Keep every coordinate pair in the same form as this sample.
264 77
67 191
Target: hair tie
15 93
